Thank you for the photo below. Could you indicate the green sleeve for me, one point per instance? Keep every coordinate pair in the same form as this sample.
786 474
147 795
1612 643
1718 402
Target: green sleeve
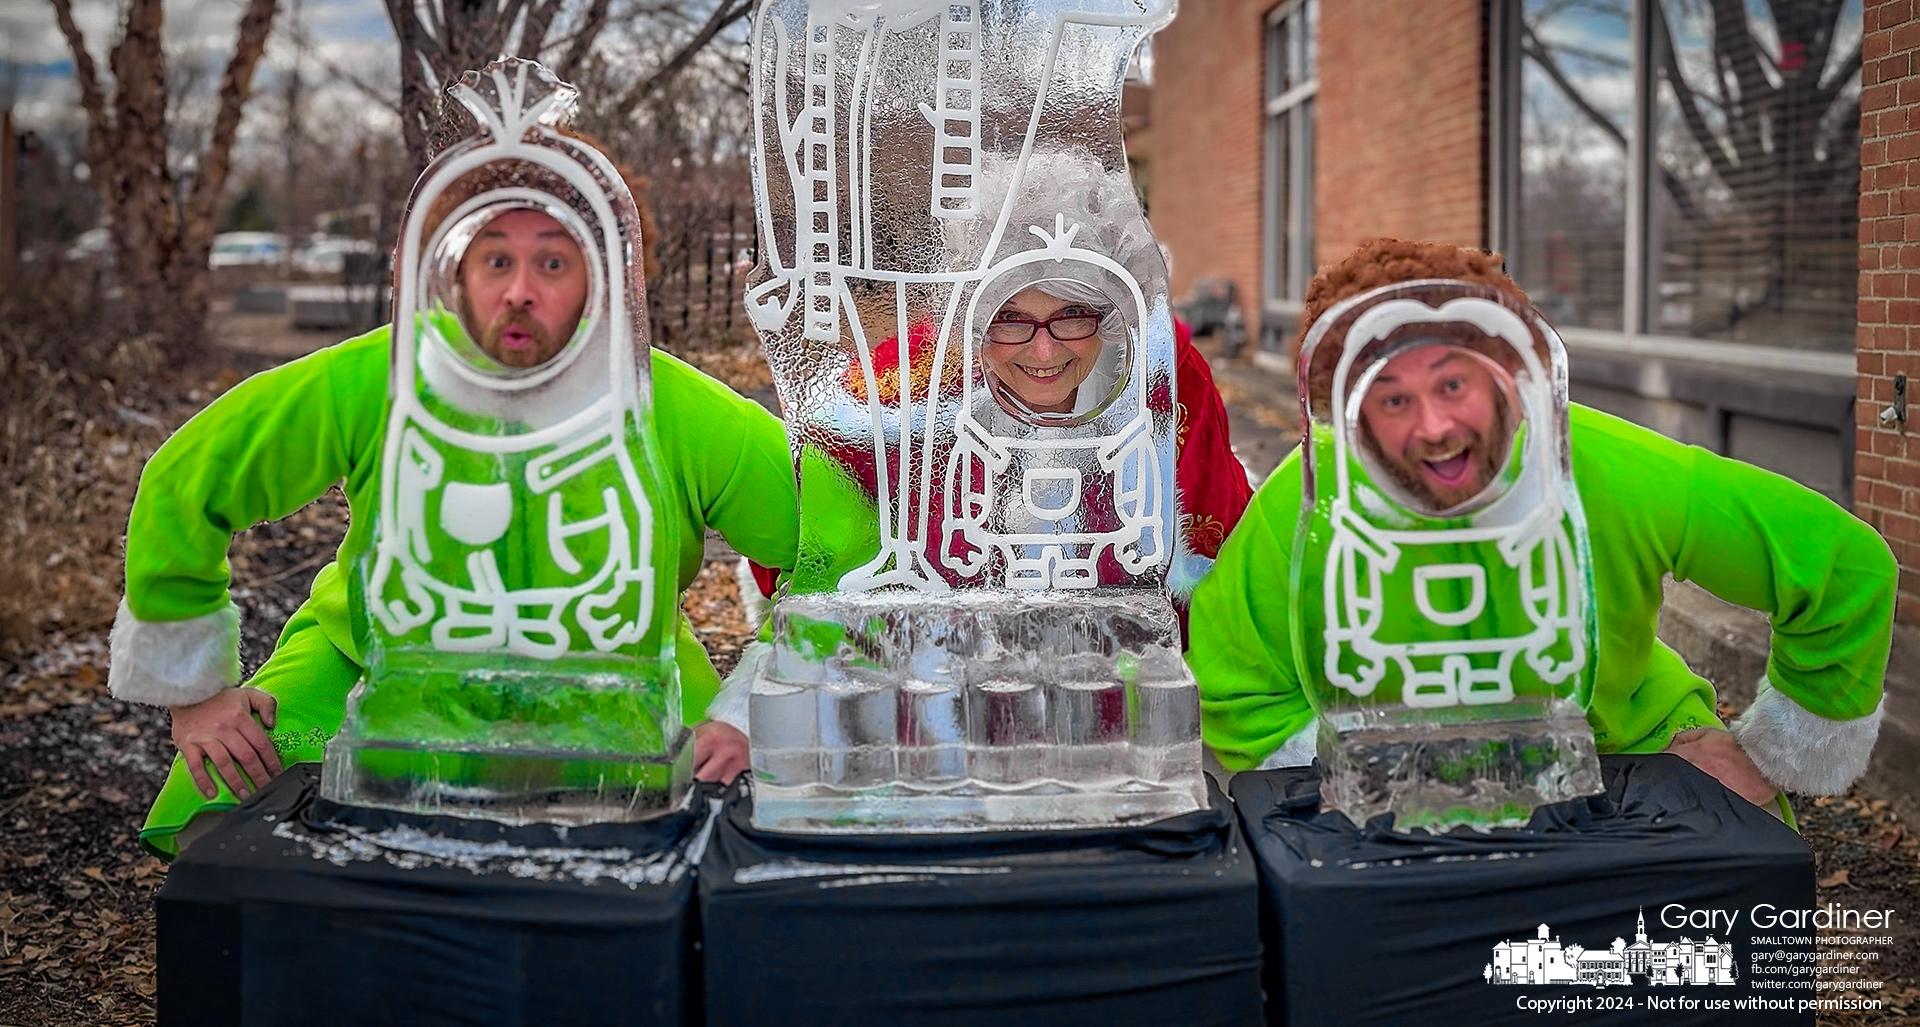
268 447
730 458
736 468
1825 579
1241 651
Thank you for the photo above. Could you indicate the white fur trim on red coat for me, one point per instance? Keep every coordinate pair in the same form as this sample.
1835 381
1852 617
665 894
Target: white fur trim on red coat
174 663
1802 751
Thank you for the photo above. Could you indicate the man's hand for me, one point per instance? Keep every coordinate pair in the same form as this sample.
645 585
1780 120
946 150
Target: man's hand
223 729
1716 752
719 752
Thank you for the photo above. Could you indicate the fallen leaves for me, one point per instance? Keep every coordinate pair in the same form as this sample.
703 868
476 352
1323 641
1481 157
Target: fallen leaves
712 605
1833 880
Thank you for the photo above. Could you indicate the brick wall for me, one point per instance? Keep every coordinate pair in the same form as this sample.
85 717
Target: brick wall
1208 77
1886 483
1401 146
1401 136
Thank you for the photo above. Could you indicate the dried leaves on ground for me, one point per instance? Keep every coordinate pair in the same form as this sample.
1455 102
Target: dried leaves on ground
1866 858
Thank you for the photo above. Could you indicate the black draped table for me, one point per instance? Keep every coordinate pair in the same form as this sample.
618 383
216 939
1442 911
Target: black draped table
1364 926
298 911
1146 925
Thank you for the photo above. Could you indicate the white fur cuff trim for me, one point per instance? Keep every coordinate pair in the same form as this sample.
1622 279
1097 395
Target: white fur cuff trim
174 663
1802 751
1299 750
731 705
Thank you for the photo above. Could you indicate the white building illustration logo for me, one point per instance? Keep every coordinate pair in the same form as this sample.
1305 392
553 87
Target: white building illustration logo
1542 959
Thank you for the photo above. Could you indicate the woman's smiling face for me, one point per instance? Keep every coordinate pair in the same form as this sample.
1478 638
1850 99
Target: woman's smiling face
1045 372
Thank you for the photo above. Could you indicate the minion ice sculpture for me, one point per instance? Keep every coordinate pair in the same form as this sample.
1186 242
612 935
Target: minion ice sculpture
519 656
978 632
1440 574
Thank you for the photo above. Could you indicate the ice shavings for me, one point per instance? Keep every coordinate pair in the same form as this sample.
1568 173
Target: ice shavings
409 848
793 869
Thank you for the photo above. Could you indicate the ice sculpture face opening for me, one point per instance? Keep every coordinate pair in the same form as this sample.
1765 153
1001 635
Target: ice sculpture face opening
1437 424
1058 351
512 273
515 603
969 326
1441 572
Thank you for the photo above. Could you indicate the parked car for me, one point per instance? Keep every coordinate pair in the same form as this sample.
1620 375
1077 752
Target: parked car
327 255
248 249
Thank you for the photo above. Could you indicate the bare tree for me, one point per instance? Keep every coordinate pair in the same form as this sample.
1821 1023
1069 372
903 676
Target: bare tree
1755 133
440 39
162 232
1757 150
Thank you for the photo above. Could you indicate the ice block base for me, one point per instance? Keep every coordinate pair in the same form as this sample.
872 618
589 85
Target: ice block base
585 740
992 711
508 785
971 806
1431 773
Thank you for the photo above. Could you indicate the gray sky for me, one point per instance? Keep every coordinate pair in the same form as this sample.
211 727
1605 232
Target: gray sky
36 69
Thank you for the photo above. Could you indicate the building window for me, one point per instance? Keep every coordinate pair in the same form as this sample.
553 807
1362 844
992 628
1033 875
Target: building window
1674 175
1287 200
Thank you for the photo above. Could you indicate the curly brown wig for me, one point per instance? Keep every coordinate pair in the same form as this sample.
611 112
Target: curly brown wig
1378 262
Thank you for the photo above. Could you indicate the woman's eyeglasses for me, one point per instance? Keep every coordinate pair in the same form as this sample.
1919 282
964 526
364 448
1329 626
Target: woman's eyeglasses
1015 331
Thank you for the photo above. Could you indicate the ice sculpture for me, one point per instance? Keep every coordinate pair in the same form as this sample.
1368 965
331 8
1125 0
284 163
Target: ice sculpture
516 606
1443 608
978 632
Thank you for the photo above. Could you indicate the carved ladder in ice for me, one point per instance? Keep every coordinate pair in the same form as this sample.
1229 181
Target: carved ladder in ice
818 204
956 155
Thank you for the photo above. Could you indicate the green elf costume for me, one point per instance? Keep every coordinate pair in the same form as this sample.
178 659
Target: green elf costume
1653 508
280 439
277 442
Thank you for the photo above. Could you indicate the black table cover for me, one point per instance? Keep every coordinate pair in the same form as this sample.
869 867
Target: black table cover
1147 925
1364 926
299 911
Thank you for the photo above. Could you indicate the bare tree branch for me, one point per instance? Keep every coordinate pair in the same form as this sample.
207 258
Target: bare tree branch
236 84
591 26
1733 42
365 88
100 129
725 13
1709 144
533 38
1831 89
1531 46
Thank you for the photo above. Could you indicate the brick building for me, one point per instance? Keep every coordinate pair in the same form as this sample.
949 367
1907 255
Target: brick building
1691 232
1886 484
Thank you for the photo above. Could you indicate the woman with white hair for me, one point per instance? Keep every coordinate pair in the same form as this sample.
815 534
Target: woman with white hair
1056 350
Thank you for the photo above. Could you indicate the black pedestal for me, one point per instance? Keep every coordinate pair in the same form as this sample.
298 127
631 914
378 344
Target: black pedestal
298 911
1151 925
1364 926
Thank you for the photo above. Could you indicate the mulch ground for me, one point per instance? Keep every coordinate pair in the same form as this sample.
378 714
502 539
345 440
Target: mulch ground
1865 858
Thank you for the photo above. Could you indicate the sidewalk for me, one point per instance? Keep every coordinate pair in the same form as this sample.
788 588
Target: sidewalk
1723 643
